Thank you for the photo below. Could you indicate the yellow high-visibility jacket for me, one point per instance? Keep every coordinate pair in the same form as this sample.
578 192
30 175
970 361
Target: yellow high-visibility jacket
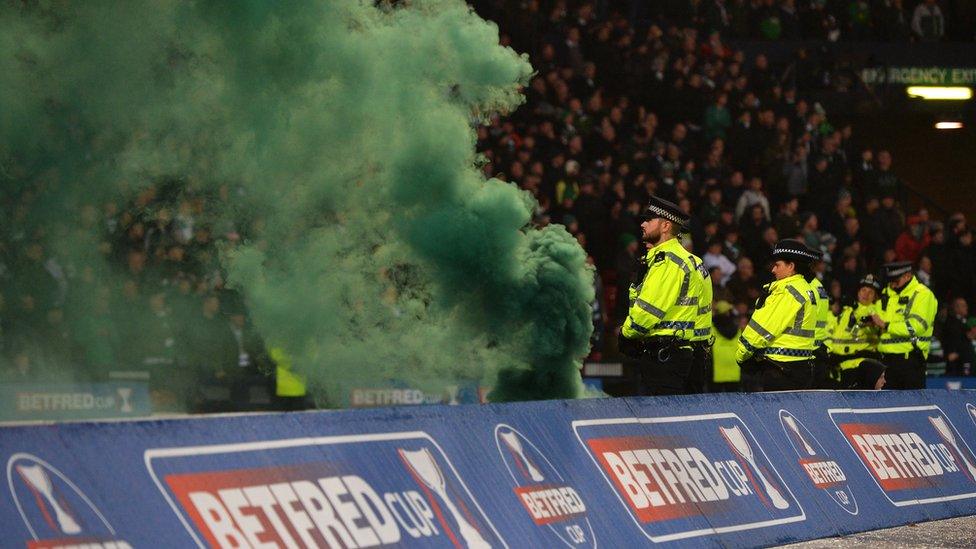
667 301
821 329
909 315
724 367
851 335
287 383
703 322
783 325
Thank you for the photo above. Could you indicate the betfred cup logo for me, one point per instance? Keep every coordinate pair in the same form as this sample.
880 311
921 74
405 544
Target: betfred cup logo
823 471
689 476
550 499
366 490
913 453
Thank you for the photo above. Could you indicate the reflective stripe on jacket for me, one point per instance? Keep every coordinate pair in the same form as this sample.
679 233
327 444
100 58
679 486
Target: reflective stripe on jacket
783 325
703 323
821 329
852 336
909 315
667 301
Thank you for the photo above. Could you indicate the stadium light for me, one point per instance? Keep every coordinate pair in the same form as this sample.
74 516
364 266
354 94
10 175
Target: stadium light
947 125
941 93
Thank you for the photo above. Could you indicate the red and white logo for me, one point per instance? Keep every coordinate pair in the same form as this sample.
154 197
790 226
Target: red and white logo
55 511
914 453
549 498
823 471
688 476
342 491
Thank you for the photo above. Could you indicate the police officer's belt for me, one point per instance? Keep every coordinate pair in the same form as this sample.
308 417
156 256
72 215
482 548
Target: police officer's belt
903 339
656 343
770 352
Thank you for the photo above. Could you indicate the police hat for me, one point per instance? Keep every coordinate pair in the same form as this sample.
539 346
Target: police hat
896 269
659 207
871 282
790 249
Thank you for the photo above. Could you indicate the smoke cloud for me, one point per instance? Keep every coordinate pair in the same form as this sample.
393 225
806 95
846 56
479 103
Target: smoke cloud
375 251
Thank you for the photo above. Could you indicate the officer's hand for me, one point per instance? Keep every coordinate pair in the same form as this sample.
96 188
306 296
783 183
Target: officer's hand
876 320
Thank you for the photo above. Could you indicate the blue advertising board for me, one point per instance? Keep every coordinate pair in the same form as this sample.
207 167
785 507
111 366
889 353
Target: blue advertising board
727 470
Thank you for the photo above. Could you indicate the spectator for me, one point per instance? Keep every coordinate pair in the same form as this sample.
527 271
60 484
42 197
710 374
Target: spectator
717 118
787 221
744 285
924 272
962 265
889 219
891 22
796 173
927 21
719 292
913 240
753 196
883 181
715 258
957 339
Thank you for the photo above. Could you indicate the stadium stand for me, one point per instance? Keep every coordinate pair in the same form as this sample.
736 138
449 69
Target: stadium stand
650 97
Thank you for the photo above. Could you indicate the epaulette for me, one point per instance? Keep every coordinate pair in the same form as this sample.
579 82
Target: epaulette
659 257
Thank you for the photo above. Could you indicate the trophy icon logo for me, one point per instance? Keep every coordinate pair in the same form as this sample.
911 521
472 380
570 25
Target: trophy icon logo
424 466
515 445
40 483
125 394
733 435
945 431
791 423
50 504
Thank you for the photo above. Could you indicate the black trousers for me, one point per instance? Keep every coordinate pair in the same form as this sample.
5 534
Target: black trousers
904 372
780 376
701 361
667 371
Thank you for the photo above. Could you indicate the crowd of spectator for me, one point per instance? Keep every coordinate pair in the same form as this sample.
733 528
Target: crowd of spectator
160 308
529 21
624 106
650 99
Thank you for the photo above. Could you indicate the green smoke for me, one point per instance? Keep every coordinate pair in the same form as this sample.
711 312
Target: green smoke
376 251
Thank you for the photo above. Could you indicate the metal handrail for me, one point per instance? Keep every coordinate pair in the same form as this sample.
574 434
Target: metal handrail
926 201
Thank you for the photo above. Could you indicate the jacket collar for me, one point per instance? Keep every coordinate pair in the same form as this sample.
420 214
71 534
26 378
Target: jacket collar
909 288
785 282
670 245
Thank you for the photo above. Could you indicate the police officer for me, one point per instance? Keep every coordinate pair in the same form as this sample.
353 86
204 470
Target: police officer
907 312
854 345
776 348
665 306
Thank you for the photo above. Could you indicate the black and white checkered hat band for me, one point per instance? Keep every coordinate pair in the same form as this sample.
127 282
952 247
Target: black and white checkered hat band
800 253
894 273
661 212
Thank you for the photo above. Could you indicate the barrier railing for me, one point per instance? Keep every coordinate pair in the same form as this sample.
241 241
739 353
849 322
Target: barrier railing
709 470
